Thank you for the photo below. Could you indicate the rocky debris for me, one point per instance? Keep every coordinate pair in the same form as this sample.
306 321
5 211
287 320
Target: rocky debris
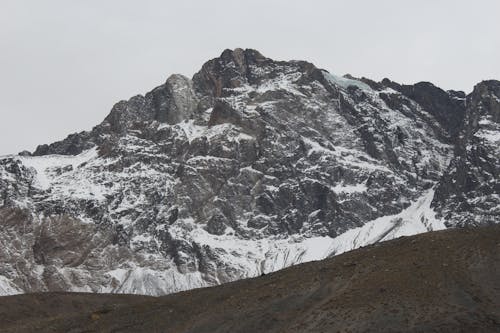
444 281
251 166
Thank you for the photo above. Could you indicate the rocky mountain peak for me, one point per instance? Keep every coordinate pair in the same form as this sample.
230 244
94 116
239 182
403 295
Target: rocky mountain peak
251 166
237 68
169 103
242 57
230 70
485 99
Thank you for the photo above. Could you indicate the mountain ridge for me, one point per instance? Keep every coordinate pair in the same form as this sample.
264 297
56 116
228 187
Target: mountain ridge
251 166
252 54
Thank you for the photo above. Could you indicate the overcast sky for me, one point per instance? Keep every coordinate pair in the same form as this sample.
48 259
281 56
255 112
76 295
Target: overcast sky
64 63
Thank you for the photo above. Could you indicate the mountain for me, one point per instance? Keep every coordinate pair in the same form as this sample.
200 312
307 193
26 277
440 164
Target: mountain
251 166
443 281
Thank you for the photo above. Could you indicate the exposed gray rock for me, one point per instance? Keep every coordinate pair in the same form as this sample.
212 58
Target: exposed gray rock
468 193
251 166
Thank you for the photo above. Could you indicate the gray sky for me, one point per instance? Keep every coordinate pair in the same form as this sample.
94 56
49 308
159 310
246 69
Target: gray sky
64 63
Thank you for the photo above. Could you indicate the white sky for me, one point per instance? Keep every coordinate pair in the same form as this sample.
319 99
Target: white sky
64 63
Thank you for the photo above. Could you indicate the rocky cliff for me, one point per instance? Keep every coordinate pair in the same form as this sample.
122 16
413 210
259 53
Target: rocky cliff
251 166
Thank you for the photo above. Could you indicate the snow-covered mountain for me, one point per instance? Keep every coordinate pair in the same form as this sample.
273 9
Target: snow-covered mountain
251 166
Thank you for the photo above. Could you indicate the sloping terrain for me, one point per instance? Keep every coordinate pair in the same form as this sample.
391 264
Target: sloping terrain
250 166
443 281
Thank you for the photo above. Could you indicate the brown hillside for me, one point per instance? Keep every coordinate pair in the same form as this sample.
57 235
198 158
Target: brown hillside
446 281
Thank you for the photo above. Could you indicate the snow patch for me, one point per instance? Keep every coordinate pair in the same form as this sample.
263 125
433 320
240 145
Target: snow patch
43 165
7 288
492 136
345 82
191 130
358 188
419 217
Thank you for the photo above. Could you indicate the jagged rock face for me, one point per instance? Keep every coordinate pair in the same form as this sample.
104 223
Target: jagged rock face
231 70
447 107
251 166
468 193
169 103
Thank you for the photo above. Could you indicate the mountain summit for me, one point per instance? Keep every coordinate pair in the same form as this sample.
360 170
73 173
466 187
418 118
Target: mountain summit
251 166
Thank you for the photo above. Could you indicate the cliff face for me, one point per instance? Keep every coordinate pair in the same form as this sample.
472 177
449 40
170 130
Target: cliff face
251 166
468 193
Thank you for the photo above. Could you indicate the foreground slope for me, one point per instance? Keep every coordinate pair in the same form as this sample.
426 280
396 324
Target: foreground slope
250 166
447 281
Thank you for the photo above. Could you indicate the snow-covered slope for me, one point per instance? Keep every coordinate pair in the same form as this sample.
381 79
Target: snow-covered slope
252 166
